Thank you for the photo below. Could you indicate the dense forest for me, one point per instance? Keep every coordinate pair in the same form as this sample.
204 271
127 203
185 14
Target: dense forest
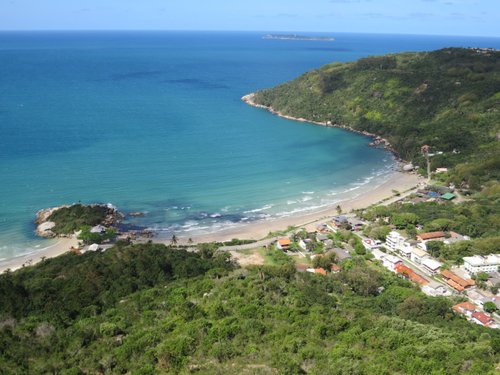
448 99
147 309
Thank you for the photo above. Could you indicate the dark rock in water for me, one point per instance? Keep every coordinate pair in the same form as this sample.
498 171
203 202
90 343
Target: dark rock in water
136 214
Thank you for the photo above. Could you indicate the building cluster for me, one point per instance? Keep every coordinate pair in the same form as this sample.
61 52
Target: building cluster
474 314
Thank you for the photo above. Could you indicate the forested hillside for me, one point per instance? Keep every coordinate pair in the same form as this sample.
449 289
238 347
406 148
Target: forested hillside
150 309
448 99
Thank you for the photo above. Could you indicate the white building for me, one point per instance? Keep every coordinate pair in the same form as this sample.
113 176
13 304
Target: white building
371 245
406 250
418 255
432 266
394 241
478 263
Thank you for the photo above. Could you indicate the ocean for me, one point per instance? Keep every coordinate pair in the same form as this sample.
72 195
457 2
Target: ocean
153 122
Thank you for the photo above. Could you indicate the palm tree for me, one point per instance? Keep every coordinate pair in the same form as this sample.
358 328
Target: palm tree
173 240
339 209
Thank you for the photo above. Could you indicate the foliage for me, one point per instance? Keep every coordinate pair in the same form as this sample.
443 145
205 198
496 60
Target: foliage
73 218
490 307
447 99
89 238
175 312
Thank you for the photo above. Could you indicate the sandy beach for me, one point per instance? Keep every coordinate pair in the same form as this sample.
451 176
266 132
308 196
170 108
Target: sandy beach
382 194
60 247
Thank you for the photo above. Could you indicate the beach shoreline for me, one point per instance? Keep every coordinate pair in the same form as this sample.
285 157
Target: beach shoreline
402 182
62 246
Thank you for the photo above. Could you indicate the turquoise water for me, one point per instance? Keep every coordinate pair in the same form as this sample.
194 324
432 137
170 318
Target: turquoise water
153 122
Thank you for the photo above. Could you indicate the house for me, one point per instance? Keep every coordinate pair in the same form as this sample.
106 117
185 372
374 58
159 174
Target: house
478 263
394 241
335 268
466 308
341 253
370 244
98 229
483 319
456 281
418 255
391 262
441 170
448 196
339 220
431 236
432 266
284 243
410 274
355 224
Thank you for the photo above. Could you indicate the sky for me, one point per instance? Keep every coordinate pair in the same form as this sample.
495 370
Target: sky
434 17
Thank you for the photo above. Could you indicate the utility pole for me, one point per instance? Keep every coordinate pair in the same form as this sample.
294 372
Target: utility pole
425 151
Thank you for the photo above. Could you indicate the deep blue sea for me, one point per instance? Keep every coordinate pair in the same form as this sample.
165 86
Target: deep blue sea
153 121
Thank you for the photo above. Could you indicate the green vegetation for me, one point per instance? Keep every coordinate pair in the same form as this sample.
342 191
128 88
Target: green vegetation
149 309
477 218
448 99
89 238
73 218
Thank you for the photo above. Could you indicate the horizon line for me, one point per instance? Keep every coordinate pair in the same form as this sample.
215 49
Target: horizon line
242 31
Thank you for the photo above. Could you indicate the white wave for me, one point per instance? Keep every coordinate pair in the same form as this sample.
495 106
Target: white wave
266 207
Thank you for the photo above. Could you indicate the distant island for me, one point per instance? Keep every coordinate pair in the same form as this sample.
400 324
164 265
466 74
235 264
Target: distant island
298 37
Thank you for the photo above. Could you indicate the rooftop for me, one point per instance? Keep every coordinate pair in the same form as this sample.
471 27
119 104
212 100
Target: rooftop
431 264
482 317
430 235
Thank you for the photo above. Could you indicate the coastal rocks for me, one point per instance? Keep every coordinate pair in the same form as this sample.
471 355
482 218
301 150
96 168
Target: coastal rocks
45 229
136 214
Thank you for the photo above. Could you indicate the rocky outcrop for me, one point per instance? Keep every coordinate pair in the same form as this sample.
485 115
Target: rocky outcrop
45 229
45 225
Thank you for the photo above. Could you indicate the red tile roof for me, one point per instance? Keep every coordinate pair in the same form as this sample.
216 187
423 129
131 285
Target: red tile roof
335 267
284 241
482 317
412 275
430 235
465 306
320 271
458 280
455 285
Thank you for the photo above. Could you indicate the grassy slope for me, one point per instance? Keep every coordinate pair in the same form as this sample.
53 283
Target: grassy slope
448 99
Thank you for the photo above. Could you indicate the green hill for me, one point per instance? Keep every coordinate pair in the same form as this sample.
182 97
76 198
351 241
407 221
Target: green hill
448 99
151 309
